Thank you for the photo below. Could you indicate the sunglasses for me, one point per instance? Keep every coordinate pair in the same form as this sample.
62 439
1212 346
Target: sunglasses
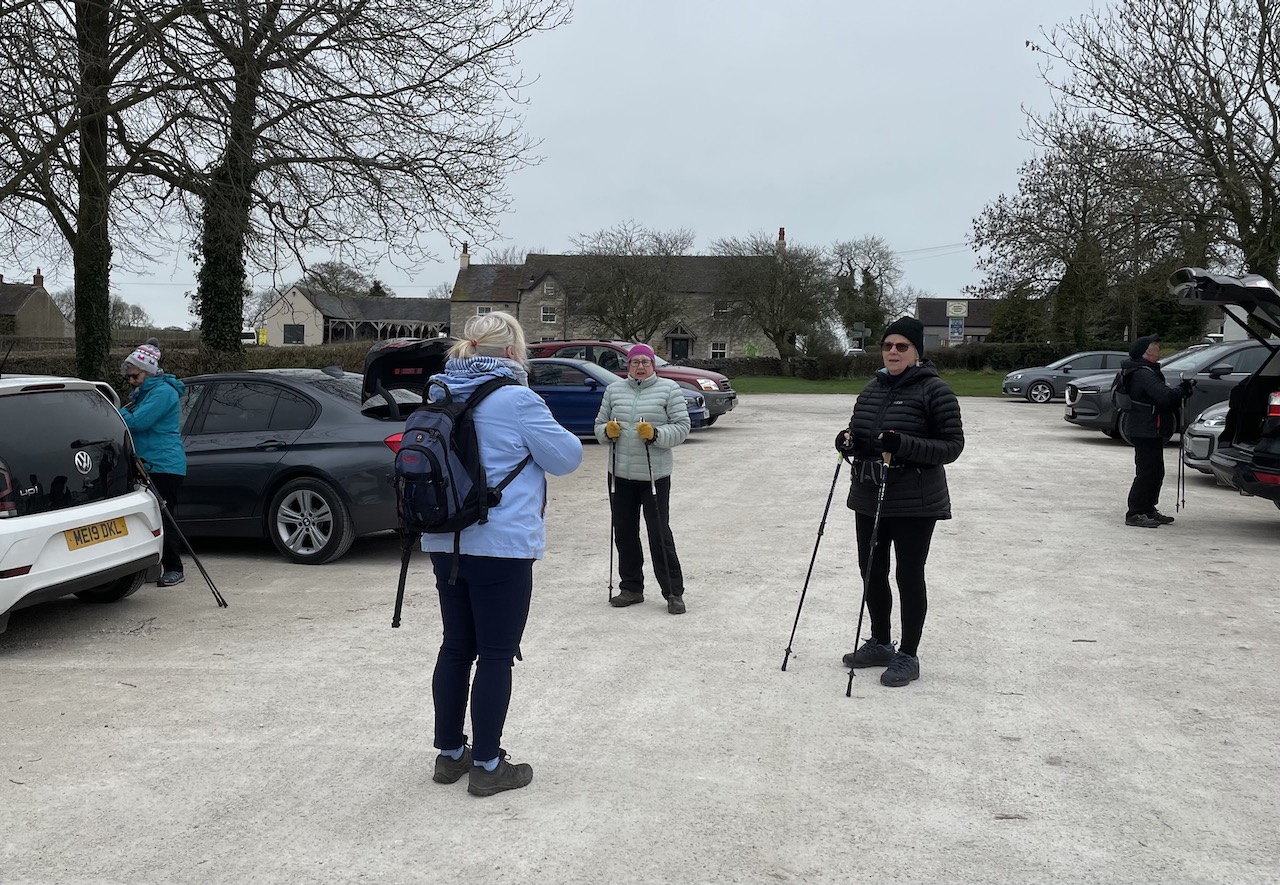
640 362
899 346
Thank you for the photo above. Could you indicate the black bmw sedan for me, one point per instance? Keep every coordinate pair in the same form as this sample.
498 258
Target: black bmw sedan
302 456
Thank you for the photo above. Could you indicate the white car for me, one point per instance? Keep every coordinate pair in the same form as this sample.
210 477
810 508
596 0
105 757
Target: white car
74 518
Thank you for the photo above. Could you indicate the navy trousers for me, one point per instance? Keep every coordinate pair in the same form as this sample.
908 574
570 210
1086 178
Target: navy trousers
484 614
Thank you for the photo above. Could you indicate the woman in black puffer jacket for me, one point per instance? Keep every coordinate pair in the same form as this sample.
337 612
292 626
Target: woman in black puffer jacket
909 413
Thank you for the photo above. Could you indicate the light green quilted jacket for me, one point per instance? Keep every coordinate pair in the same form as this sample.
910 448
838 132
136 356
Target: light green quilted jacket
656 400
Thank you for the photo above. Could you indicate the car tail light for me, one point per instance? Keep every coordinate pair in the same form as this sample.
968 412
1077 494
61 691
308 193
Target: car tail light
393 442
1271 479
1273 405
8 497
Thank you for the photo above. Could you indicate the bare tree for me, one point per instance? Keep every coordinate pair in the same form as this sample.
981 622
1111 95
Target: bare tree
1198 82
440 290
70 77
355 126
626 285
1097 223
787 292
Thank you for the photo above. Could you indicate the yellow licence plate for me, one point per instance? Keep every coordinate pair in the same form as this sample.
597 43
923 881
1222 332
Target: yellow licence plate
96 533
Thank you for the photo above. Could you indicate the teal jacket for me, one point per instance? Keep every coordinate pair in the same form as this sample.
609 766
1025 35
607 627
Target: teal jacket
153 416
656 400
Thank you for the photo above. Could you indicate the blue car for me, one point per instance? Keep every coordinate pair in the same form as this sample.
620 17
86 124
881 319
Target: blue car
573 389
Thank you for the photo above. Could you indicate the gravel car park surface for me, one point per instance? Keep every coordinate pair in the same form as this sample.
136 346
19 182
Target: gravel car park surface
1097 703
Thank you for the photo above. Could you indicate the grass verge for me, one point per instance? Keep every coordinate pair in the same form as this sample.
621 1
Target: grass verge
964 383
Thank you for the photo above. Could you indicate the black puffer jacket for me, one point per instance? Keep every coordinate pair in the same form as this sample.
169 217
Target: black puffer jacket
919 406
1155 410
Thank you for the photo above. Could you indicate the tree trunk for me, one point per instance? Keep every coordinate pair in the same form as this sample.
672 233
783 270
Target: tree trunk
226 223
91 248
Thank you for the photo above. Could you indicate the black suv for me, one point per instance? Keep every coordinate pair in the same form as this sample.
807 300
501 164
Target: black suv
1247 457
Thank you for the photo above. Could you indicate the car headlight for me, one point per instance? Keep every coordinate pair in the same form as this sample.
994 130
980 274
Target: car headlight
1216 421
1090 390
1013 376
708 384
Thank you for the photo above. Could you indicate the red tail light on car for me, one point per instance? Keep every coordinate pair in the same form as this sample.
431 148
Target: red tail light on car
1273 405
393 442
8 497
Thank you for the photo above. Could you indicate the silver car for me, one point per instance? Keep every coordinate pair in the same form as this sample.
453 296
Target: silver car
1201 437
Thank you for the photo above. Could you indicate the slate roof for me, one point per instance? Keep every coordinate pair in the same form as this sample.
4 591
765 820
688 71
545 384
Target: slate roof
373 310
933 311
694 274
13 296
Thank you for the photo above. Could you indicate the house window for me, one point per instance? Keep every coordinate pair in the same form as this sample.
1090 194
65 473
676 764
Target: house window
720 309
548 314
481 311
293 334
719 350
548 288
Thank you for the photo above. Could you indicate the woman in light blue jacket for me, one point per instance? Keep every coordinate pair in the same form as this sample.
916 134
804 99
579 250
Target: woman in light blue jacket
485 609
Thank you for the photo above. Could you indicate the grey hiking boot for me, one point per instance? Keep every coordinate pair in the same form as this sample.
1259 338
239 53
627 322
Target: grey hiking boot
902 669
505 777
449 770
675 605
1142 521
872 654
169 579
1160 517
626 597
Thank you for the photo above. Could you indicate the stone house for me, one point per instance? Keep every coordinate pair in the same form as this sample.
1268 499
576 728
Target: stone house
305 315
28 311
545 294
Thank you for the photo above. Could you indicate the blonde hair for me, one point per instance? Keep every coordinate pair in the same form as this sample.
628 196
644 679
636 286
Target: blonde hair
490 334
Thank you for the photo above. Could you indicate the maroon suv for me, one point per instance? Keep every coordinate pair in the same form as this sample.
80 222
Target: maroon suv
612 355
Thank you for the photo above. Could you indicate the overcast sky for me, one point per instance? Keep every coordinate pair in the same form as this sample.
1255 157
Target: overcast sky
832 118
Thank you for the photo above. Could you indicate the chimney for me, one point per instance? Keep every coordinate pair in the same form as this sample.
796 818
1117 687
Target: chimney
782 240
465 260
39 280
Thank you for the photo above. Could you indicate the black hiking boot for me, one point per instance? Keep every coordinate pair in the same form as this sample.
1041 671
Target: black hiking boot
872 654
1142 521
902 669
626 597
448 770
1160 517
675 605
505 777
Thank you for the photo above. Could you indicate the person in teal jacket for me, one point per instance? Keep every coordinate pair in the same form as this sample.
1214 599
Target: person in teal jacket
154 419
643 418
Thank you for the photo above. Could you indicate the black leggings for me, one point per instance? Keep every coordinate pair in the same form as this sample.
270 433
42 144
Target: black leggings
910 537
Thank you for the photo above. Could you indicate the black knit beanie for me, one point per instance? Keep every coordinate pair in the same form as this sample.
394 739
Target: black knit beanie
910 328
1140 346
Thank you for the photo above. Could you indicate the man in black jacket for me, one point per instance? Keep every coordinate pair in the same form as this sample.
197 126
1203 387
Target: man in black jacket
1149 423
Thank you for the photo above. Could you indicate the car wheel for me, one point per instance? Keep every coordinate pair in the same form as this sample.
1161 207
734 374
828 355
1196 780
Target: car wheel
308 522
1040 392
711 421
114 591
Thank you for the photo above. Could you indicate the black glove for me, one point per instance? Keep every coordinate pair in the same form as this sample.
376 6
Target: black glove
1188 386
890 442
844 442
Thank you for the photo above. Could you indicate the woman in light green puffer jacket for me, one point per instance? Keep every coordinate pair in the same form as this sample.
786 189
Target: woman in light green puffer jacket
643 418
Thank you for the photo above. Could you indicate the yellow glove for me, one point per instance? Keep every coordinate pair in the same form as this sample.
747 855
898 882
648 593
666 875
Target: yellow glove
613 430
645 429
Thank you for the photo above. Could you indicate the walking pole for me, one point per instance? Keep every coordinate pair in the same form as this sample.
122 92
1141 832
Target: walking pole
812 559
613 465
657 514
164 509
871 558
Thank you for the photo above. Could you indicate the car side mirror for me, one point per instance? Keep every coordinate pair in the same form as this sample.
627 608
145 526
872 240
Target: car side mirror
1219 370
591 383
1067 367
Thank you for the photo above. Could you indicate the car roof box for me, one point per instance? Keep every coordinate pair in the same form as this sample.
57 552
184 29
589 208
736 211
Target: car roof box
404 363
